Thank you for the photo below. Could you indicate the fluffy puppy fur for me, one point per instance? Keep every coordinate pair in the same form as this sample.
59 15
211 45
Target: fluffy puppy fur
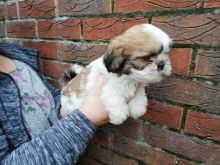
133 60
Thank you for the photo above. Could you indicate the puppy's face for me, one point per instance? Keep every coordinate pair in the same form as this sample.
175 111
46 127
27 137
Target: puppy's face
140 53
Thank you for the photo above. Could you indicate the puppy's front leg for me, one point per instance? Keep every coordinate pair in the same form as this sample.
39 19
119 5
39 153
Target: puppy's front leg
138 105
116 106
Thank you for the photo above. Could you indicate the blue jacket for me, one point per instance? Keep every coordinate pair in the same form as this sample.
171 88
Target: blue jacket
61 144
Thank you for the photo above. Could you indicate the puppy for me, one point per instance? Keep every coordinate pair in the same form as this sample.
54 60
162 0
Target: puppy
133 60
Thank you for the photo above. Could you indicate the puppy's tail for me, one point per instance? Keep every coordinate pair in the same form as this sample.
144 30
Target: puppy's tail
71 72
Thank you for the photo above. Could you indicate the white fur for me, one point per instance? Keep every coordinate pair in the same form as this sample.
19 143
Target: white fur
119 88
159 35
77 68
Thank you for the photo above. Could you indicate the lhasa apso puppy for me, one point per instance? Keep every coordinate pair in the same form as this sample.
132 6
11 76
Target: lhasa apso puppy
133 60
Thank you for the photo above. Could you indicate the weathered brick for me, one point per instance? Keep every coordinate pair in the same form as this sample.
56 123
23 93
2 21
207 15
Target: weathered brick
108 157
140 151
21 29
46 49
211 4
205 95
186 162
11 11
202 124
164 114
68 29
78 7
80 52
208 64
2 29
103 138
53 68
145 5
133 148
180 60
36 8
188 146
191 29
107 28
130 128
3 11
85 160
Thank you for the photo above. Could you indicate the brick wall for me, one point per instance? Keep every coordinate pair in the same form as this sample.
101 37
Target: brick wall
182 125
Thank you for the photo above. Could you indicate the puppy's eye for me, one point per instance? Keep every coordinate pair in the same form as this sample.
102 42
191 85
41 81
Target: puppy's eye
149 57
136 66
146 58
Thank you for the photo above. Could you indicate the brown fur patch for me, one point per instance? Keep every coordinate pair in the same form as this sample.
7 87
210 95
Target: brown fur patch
74 85
134 44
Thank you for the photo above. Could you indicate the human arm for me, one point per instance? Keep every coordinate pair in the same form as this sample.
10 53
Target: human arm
67 139
61 144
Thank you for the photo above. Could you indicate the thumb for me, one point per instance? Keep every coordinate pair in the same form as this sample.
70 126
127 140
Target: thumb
100 82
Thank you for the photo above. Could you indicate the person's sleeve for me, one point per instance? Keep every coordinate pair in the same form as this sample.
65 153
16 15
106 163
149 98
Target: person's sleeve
61 144
3 144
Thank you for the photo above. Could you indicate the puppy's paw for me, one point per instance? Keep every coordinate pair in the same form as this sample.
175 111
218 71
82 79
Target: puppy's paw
118 115
115 104
115 119
138 107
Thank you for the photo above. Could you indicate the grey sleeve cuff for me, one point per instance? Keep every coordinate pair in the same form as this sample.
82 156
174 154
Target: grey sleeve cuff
61 144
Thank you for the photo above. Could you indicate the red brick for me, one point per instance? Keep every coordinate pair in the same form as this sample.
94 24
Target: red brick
205 95
191 29
133 148
68 29
145 5
207 64
103 138
108 157
191 147
164 114
67 7
185 162
202 124
211 4
12 11
85 160
36 8
130 128
21 29
53 68
180 60
107 28
3 11
80 52
46 49
141 151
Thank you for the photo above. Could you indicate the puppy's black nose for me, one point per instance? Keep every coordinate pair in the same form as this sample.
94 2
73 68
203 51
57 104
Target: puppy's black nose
160 65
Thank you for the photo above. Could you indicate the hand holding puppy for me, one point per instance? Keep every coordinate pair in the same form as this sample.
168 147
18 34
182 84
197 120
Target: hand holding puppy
92 105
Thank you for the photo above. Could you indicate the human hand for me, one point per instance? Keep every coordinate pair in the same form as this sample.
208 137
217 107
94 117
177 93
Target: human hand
92 105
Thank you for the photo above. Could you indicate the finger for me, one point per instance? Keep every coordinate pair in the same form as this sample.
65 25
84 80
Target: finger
100 81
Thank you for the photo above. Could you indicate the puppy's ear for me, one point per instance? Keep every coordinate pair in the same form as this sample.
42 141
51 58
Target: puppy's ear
114 61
